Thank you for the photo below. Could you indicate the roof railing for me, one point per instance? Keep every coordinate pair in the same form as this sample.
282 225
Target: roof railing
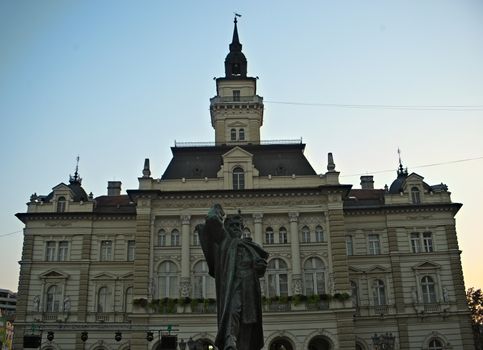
180 144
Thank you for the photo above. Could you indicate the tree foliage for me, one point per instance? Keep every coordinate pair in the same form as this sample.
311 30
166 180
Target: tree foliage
475 304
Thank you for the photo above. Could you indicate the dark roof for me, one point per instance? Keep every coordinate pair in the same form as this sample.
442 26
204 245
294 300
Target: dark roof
398 184
200 162
360 197
118 204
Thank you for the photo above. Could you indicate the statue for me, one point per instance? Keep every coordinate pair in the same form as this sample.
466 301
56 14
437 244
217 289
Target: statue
66 304
37 303
236 264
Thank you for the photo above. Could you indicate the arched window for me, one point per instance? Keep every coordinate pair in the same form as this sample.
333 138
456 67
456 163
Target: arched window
435 344
168 280
204 284
196 238
269 236
415 195
247 233
61 203
53 299
161 238
241 134
103 299
282 235
175 238
238 179
305 234
379 292
355 293
429 291
128 300
233 134
314 276
277 278
319 234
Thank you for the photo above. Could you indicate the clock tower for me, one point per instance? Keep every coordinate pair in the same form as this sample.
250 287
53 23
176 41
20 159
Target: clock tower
236 110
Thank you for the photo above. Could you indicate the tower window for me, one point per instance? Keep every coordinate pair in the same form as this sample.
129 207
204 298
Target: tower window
238 179
233 134
241 134
235 69
236 95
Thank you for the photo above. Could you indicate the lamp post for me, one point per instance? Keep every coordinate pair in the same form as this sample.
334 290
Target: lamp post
383 341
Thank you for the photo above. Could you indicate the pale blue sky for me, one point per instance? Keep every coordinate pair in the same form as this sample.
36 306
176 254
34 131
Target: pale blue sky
118 81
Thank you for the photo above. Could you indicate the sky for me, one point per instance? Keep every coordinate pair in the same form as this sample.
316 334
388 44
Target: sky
117 81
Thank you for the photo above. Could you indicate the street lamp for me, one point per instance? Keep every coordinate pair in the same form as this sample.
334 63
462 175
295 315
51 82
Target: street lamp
383 341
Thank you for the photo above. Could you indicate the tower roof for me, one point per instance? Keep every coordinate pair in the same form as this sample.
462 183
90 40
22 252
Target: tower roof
235 61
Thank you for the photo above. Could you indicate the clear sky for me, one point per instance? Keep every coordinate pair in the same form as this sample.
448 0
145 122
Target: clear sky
117 81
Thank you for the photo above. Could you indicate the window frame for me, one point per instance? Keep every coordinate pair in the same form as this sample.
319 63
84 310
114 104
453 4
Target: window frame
277 278
50 250
238 177
305 232
131 250
315 276
374 244
170 277
106 249
282 235
175 238
203 283
269 236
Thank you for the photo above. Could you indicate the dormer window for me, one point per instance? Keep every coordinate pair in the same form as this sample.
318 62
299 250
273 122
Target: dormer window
233 134
61 202
241 134
415 195
238 179
236 95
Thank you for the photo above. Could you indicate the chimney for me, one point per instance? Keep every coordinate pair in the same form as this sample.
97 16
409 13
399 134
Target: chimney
367 182
114 188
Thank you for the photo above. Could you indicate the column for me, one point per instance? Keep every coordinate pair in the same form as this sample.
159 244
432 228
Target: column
294 245
257 219
184 283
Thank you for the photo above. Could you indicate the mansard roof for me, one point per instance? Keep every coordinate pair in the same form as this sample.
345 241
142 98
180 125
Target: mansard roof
200 162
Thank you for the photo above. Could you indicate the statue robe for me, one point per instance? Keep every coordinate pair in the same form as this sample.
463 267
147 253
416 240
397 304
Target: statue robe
220 250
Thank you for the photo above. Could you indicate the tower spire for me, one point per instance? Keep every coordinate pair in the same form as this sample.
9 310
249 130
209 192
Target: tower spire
235 41
76 178
235 61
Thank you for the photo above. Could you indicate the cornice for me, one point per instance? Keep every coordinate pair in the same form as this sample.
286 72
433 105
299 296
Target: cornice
401 209
24 217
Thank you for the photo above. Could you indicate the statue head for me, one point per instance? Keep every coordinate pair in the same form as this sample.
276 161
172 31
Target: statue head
234 225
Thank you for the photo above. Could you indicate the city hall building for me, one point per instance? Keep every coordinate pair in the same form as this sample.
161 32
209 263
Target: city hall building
350 267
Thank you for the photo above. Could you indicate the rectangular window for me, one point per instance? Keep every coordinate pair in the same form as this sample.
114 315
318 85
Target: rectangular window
106 251
428 242
374 244
50 251
415 242
348 245
131 249
236 95
63 252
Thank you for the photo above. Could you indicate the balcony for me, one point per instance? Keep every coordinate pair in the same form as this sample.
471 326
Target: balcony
235 99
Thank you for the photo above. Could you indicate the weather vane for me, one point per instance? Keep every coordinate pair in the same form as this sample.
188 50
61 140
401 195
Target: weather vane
236 15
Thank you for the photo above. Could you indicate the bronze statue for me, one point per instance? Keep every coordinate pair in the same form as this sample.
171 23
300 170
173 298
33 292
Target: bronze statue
236 263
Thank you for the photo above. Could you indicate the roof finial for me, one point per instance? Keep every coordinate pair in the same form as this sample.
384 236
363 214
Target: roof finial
235 42
401 171
76 178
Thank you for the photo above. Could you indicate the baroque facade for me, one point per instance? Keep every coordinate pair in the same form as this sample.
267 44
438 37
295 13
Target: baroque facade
344 263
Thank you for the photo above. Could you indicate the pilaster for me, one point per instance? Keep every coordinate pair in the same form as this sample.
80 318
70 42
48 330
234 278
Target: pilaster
338 250
258 219
295 250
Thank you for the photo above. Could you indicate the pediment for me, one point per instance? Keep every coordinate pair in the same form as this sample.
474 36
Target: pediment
377 269
237 152
413 177
353 269
104 276
53 274
427 265
61 187
127 276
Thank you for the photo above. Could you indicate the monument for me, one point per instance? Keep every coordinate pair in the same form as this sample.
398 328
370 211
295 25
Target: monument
236 263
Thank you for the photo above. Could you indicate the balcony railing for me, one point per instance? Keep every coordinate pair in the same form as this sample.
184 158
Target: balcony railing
433 307
236 99
381 309
180 144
